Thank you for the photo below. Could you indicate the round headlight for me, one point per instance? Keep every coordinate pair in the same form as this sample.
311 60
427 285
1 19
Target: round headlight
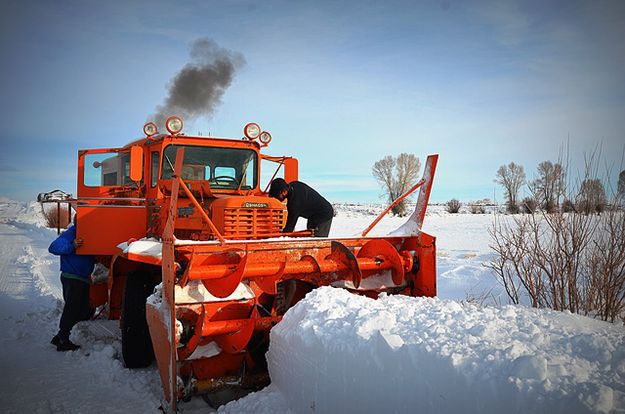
265 137
174 124
251 131
150 129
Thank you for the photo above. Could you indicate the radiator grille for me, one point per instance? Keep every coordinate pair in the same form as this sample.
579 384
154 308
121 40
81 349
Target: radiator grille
252 222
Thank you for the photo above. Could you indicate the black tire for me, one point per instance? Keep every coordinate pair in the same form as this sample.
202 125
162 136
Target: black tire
137 348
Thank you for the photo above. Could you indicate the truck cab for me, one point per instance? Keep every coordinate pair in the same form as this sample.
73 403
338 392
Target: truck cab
122 191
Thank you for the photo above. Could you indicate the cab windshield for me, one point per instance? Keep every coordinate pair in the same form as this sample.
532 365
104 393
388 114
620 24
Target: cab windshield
223 168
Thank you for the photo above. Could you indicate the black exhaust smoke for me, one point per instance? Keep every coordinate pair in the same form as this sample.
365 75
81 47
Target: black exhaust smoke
197 89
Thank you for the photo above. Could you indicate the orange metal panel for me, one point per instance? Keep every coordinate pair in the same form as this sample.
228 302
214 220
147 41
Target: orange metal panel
159 332
103 227
217 366
425 283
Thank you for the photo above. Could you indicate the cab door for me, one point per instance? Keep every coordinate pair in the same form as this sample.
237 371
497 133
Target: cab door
111 204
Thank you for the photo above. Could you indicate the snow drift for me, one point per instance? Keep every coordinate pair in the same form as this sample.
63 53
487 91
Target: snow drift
337 352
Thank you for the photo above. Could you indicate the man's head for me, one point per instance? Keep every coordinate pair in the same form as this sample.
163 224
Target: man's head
279 189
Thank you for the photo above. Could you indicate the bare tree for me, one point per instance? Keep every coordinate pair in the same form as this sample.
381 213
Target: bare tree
511 177
591 196
548 187
620 194
396 175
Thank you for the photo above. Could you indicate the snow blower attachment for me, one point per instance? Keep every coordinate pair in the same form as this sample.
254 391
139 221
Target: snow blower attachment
187 215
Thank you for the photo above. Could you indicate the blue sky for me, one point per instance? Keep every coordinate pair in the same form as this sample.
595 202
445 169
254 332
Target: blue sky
338 84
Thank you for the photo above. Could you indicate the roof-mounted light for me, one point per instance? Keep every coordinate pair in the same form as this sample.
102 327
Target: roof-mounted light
251 131
264 137
150 129
174 125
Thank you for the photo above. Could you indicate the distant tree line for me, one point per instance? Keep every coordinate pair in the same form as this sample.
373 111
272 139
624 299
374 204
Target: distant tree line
549 192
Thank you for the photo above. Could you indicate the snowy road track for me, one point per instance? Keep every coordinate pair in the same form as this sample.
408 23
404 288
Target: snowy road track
35 377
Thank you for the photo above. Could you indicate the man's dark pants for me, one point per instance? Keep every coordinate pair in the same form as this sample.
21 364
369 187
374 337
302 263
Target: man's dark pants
322 228
76 309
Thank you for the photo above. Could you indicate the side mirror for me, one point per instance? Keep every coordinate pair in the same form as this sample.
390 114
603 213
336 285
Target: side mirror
136 163
291 168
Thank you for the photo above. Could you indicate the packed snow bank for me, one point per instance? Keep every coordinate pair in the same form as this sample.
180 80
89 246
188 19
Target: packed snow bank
337 352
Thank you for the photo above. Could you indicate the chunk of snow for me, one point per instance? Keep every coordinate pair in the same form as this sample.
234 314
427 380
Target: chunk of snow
379 281
144 247
195 292
205 351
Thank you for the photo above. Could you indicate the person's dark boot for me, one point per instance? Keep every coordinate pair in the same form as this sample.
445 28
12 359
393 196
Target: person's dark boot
55 340
67 345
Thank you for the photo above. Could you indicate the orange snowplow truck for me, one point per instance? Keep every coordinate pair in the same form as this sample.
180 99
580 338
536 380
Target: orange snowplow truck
199 270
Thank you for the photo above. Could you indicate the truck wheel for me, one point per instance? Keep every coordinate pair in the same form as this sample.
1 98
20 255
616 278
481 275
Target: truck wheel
136 343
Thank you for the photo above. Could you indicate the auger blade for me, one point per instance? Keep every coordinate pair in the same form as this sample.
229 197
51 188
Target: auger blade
382 251
341 254
220 286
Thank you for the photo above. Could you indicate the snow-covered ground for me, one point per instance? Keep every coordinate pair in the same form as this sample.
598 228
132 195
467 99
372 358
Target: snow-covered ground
333 352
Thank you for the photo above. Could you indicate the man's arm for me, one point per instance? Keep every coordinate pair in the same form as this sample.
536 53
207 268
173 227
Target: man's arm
291 221
64 244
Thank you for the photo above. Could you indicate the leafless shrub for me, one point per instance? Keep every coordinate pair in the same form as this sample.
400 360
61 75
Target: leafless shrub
397 175
477 208
511 177
481 297
529 205
56 216
453 206
568 206
564 260
604 271
572 261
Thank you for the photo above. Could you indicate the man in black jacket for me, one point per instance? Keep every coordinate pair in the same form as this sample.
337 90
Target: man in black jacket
305 202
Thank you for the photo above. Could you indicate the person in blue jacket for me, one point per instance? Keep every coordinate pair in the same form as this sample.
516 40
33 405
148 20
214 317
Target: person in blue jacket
76 272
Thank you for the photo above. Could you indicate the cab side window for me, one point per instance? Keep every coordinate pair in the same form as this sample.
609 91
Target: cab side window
154 169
